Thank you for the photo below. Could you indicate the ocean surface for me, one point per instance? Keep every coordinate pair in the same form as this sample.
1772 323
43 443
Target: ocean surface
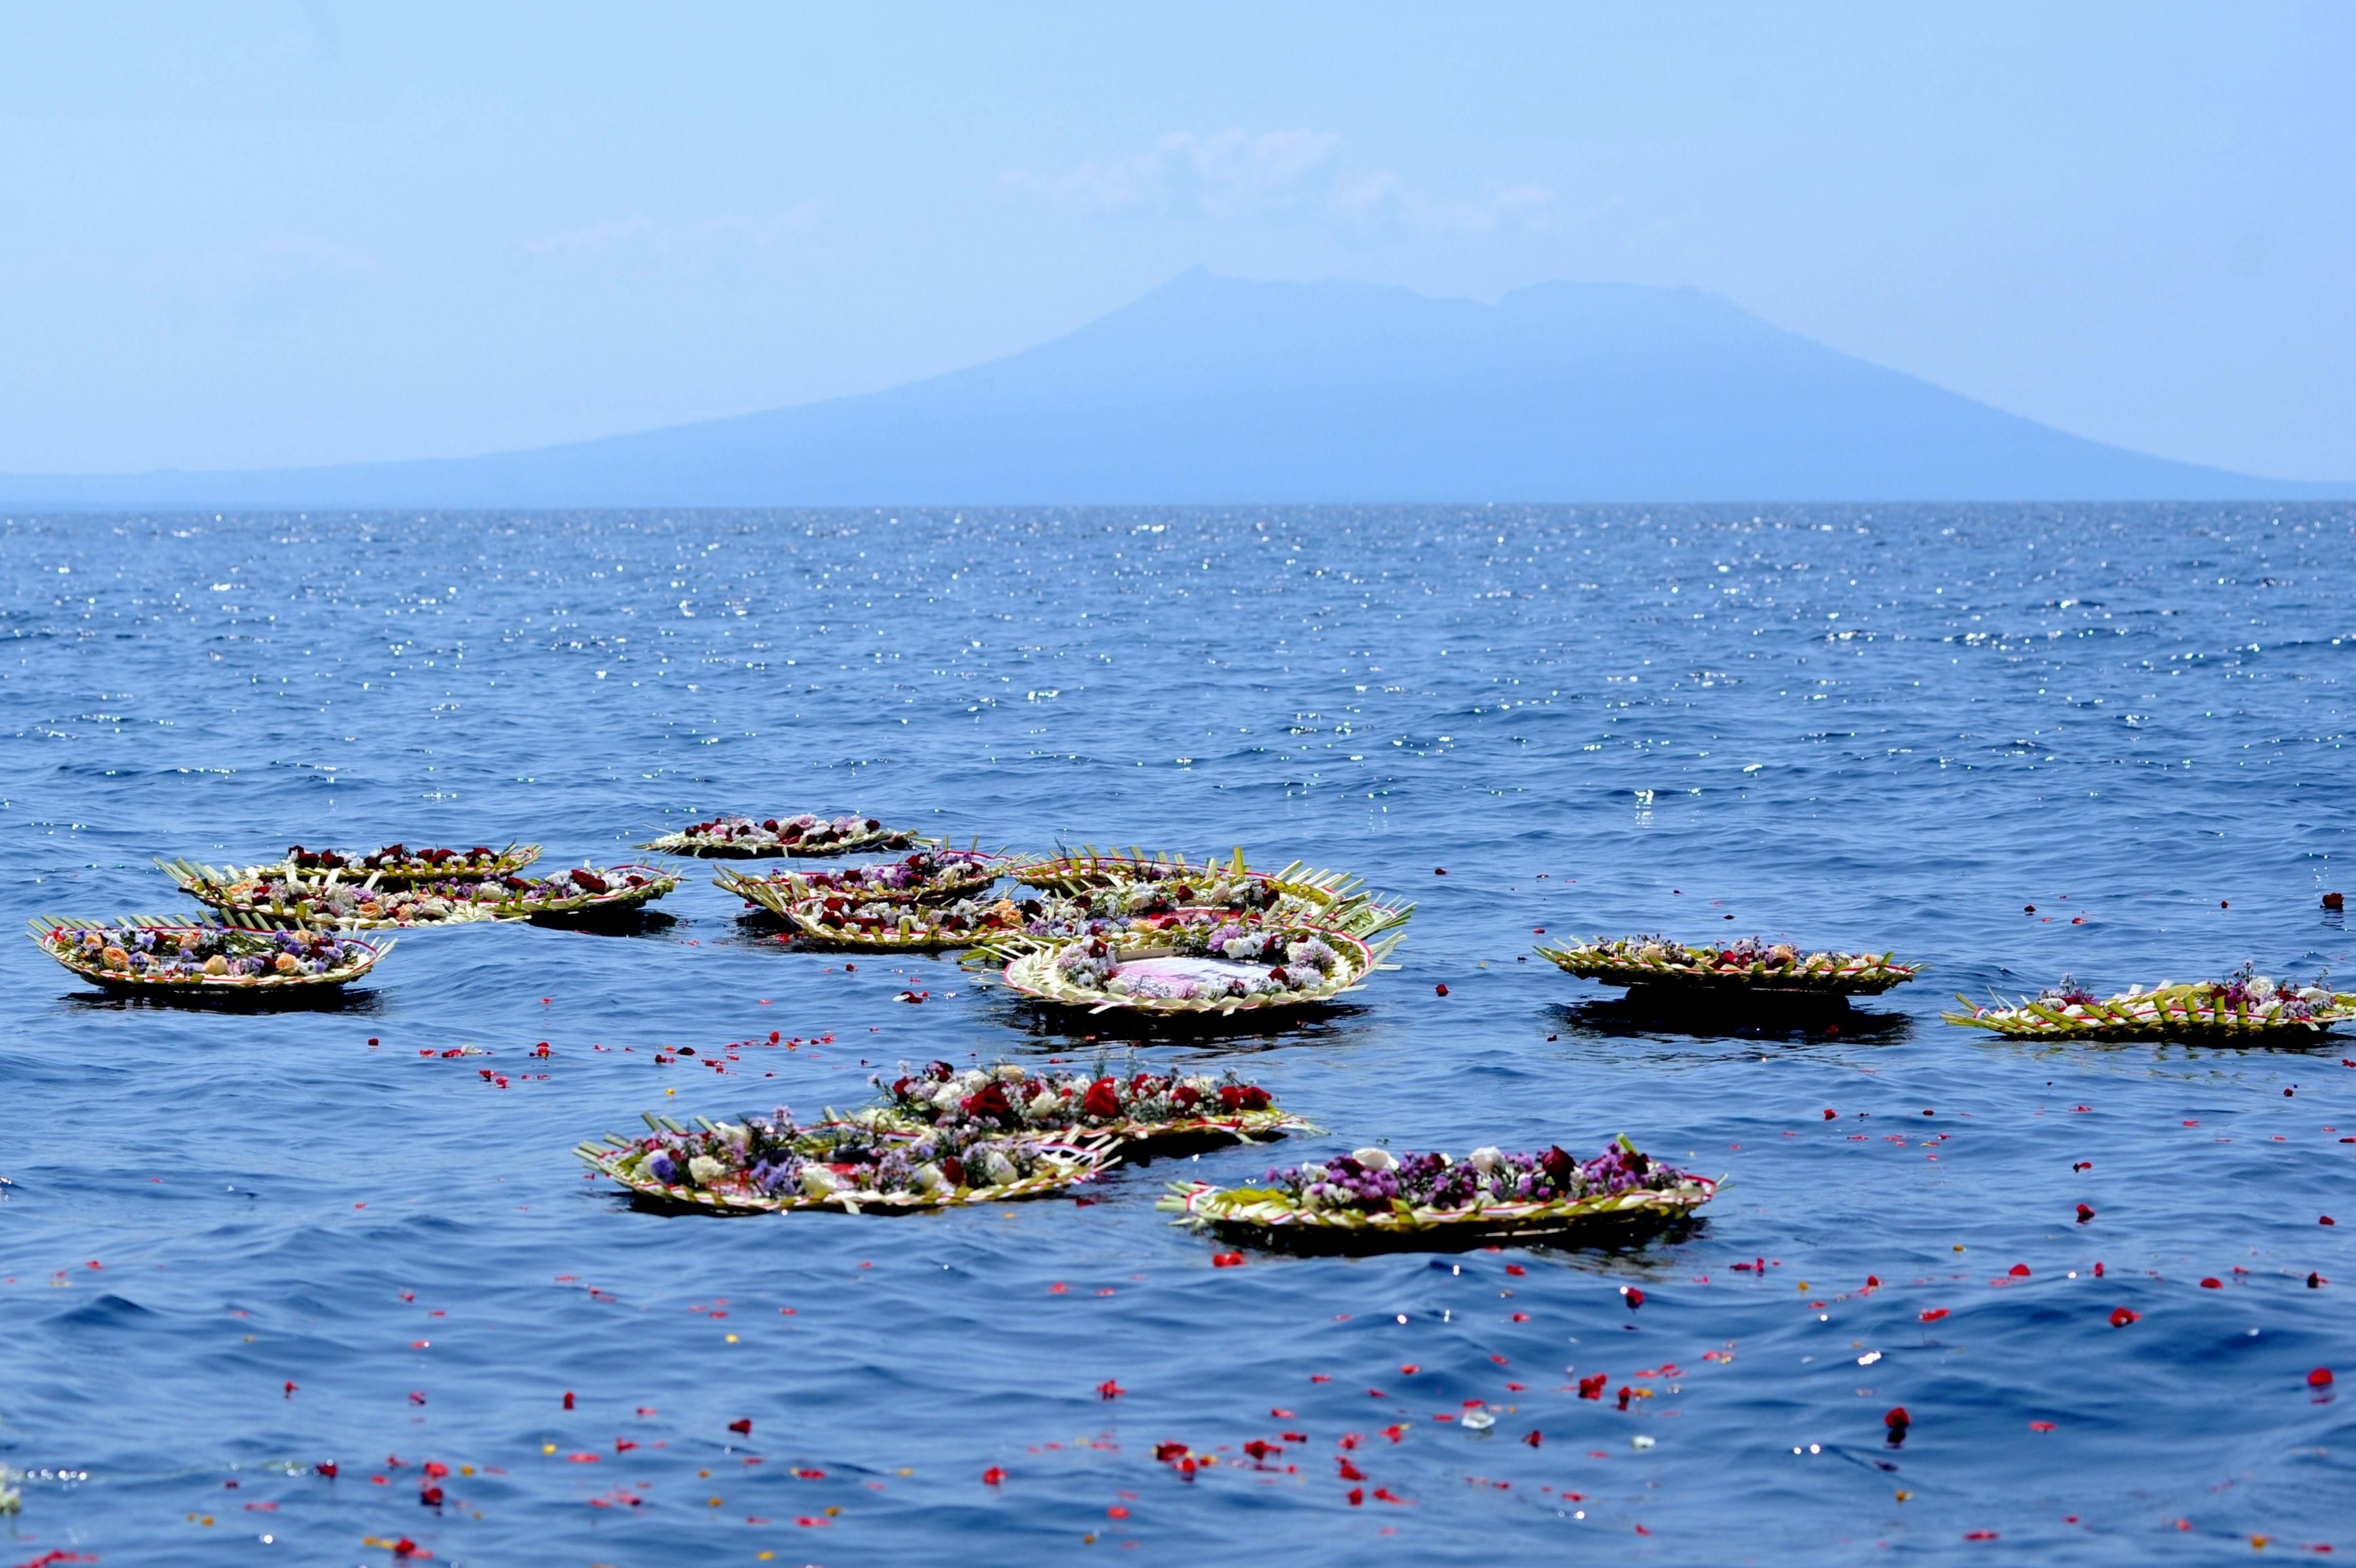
240 1246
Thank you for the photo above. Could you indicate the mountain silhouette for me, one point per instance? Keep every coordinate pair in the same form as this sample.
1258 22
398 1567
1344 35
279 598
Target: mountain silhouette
1218 390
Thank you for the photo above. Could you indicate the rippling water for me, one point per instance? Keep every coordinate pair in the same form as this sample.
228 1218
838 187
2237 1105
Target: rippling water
239 1246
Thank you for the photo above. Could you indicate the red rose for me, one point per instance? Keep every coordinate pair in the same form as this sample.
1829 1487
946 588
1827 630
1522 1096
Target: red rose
989 1099
1103 1100
1253 1098
1184 1095
953 1168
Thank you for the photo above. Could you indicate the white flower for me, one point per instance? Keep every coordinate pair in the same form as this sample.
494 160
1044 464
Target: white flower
1486 1160
1042 1104
705 1170
996 1167
1375 1159
1009 1071
2262 988
928 1177
818 1181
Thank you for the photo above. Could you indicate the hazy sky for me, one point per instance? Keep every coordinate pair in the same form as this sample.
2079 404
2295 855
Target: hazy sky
276 233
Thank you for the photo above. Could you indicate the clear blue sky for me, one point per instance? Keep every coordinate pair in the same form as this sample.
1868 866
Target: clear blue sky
240 235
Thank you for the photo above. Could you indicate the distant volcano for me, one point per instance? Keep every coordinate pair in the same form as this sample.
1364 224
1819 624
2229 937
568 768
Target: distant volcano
1216 390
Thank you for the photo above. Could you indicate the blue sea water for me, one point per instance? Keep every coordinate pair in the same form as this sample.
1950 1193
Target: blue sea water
241 1245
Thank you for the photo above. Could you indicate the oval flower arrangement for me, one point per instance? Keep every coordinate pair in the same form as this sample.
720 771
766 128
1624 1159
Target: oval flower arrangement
1159 1112
2245 1004
146 954
840 922
582 893
268 893
741 838
1372 1197
397 865
1334 898
265 893
1745 966
928 877
1198 968
773 1166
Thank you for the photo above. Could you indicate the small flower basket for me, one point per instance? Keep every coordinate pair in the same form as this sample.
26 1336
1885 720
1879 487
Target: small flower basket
1144 1113
1199 968
150 956
1747 968
930 875
1372 1198
771 1165
743 838
397 865
2243 1008
1139 880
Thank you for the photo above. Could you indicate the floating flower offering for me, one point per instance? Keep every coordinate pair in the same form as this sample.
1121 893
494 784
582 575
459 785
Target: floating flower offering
928 876
268 893
1116 914
741 838
397 865
1143 1108
1202 966
772 1165
2243 1004
144 954
582 892
1749 965
1140 883
1374 1195
840 921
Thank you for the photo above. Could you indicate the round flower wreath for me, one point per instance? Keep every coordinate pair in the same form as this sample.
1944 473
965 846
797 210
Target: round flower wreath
1144 1108
1748 964
397 865
1131 914
266 893
153 955
1145 884
2244 1004
772 1165
806 837
931 875
1374 1195
584 891
842 922
1216 964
